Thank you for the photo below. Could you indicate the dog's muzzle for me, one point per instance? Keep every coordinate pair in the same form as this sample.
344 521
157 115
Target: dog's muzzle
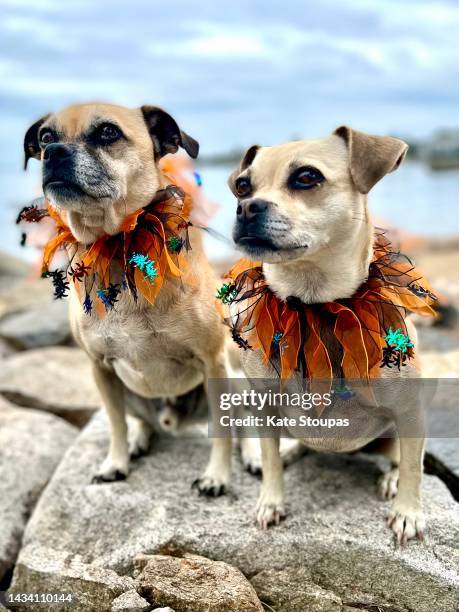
250 228
59 170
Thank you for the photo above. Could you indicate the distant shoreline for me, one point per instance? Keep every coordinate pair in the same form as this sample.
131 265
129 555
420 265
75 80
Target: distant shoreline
440 152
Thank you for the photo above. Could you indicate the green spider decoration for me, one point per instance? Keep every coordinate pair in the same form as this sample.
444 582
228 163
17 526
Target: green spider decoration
398 340
174 244
227 293
398 349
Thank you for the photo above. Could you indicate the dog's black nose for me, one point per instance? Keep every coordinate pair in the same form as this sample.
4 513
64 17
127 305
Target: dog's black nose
248 209
57 152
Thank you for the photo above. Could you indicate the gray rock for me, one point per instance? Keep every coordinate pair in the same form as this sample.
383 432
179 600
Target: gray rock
293 590
130 602
55 379
196 584
31 445
334 529
446 450
17 293
11 266
40 325
45 570
6 350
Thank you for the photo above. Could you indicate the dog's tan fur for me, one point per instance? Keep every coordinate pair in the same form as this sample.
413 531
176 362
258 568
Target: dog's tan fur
139 351
321 246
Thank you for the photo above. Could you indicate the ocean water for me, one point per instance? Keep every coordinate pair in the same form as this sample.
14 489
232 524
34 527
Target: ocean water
415 199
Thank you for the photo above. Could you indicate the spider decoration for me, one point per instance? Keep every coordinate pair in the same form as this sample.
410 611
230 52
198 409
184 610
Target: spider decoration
175 244
239 340
109 296
87 305
198 179
421 292
276 340
399 348
344 392
145 265
32 214
227 293
79 272
60 283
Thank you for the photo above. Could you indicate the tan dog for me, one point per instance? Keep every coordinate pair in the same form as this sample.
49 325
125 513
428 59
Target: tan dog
100 163
302 210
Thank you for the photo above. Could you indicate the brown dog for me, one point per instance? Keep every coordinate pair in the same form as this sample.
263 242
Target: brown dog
302 211
100 164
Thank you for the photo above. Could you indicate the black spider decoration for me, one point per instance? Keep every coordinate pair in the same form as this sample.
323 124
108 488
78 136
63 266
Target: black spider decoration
421 292
32 214
60 283
239 340
393 357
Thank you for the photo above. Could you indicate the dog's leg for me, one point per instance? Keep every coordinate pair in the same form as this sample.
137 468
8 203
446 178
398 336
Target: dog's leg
270 507
116 464
251 455
290 451
140 433
406 517
217 474
388 483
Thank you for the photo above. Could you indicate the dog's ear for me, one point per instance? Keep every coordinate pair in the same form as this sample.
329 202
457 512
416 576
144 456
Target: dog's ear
166 135
371 157
246 161
31 146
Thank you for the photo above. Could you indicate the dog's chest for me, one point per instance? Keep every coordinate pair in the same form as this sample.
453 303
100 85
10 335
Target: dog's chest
143 346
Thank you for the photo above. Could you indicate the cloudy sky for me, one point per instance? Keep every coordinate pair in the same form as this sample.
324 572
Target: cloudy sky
236 72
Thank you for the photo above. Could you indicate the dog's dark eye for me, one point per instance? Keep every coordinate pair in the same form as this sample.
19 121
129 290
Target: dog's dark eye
243 187
305 178
47 137
108 133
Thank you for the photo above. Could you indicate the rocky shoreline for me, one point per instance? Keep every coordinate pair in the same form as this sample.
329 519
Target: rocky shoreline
151 543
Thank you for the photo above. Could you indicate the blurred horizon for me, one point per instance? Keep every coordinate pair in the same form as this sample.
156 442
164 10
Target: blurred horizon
234 74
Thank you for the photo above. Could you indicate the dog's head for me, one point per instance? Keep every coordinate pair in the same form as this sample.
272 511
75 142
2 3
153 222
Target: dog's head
296 199
100 161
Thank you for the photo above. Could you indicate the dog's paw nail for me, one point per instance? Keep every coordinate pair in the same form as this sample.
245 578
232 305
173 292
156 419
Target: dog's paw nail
255 470
269 514
208 487
406 523
114 476
137 452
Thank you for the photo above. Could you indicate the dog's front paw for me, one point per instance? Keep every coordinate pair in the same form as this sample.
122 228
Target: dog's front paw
210 485
406 522
110 471
388 484
270 510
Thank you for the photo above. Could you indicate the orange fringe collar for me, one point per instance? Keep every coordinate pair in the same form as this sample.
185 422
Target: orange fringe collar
148 249
350 338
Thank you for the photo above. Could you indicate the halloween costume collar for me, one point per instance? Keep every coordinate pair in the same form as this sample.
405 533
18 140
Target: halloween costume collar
148 248
348 338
